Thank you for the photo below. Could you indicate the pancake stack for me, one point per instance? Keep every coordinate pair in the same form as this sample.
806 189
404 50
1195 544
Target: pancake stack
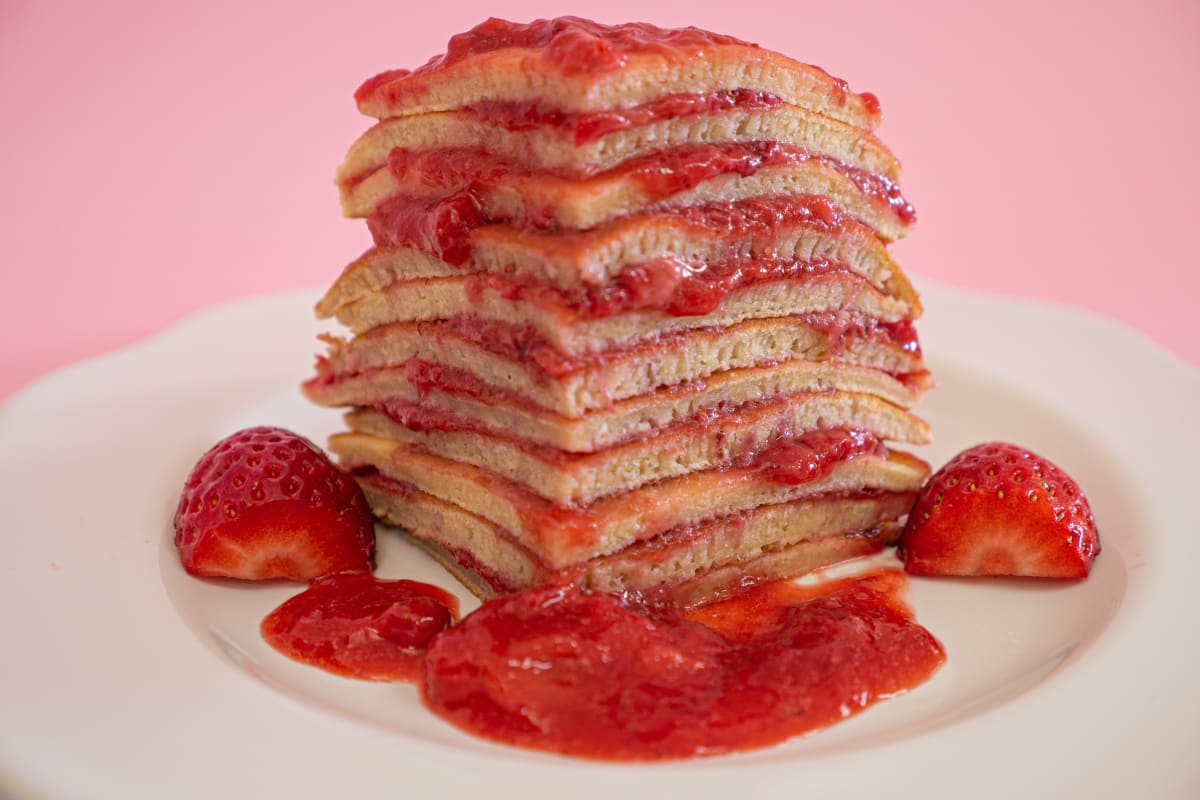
630 317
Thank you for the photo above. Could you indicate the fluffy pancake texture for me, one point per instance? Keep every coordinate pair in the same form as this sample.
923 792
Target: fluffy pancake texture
554 150
687 447
630 317
710 174
683 565
407 297
565 535
644 375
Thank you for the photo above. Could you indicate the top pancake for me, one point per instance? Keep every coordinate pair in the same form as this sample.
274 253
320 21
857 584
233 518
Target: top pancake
574 65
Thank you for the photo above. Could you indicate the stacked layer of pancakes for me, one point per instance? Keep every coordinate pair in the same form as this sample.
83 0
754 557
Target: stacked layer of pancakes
630 316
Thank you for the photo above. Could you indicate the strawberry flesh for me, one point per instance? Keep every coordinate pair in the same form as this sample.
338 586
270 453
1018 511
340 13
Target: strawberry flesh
998 509
267 503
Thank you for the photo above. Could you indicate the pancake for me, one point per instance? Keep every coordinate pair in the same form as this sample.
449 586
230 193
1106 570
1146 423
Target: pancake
408 296
673 244
546 148
564 535
799 228
683 566
688 176
604 389
500 61
695 444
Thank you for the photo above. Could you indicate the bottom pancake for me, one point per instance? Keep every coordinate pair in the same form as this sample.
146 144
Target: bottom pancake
685 566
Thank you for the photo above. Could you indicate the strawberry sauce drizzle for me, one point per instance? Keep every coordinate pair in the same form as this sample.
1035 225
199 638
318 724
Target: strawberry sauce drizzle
523 343
670 285
576 46
592 125
762 216
815 454
588 675
443 226
358 626
440 226
787 455
671 171
543 361
659 175
556 669
794 460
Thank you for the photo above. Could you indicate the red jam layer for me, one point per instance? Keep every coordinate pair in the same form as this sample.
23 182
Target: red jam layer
558 670
658 548
654 549
675 170
472 565
790 457
574 45
361 627
581 46
786 462
678 169
762 216
592 125
659 175
442 226
670 285
523 343
795 459
426 376
577 524
544 362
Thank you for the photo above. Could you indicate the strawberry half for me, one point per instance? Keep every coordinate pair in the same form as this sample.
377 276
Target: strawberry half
998 509
267 503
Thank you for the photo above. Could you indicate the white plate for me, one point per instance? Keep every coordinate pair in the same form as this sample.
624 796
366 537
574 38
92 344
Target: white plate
121 677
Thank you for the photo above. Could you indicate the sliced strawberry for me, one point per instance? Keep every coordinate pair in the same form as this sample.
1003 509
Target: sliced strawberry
267 503
998 509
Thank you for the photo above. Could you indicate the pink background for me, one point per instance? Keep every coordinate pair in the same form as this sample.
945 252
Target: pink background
160 158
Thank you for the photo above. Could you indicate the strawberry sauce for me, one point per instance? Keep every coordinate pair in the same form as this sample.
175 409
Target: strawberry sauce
670 285
592 125
525 344
587 675
797 459
582 46
668 172
543 361
574 45
443 226
556 669
658 175
440 226
785 456
361 627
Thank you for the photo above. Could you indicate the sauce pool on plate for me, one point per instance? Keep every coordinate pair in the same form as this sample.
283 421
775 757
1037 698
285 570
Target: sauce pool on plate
597 676
359 626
